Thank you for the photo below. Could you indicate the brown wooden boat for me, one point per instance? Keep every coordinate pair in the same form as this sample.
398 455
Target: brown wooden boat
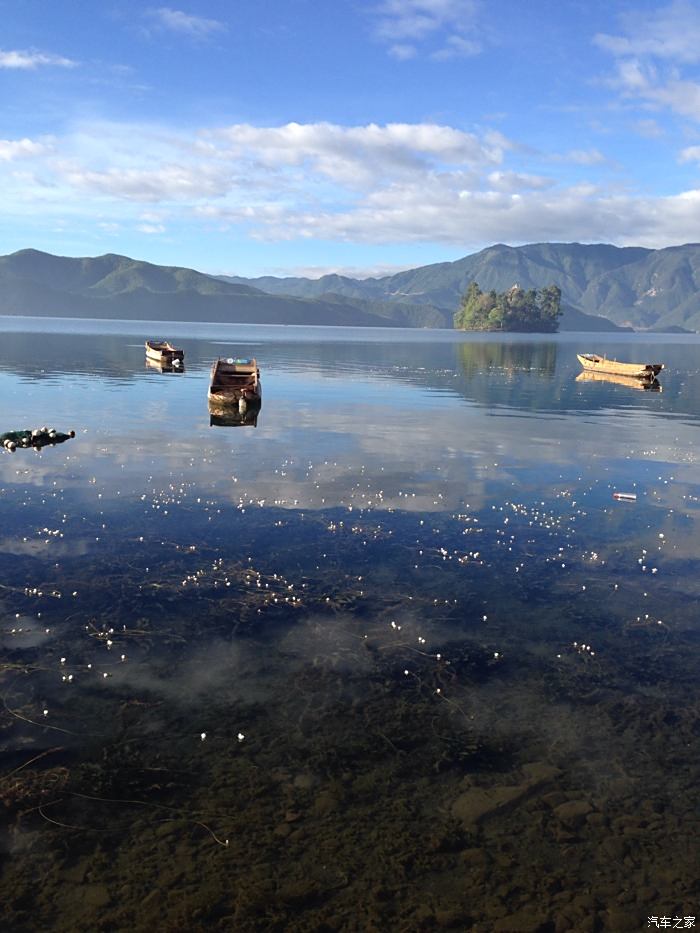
160 351
234 382
591 362
642 385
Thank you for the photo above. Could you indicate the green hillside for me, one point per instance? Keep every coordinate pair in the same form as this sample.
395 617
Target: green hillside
603 287
39 284
630 285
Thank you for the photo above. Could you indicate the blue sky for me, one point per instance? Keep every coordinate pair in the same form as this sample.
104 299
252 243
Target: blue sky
306 136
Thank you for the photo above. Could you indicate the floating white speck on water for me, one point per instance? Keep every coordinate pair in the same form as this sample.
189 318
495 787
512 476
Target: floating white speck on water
202 736
240 736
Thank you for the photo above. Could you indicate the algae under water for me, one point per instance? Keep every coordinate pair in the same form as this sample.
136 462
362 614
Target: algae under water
390 657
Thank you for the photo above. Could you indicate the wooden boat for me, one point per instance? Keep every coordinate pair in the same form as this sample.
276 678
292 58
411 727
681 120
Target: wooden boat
160 351
234 382
591 362
642 385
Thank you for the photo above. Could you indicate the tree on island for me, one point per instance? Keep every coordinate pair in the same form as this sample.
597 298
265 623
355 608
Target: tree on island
535 310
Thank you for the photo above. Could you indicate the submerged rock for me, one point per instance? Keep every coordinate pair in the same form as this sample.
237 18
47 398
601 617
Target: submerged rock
478 803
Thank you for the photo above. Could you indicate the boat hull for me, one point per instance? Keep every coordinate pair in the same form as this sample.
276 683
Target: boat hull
593 363
164 353
234 382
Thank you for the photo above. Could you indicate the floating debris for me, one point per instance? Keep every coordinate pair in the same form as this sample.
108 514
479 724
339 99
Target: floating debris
33 437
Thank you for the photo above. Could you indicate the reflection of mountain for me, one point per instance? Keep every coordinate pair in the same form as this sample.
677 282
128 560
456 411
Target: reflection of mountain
512 358
516 372
41 356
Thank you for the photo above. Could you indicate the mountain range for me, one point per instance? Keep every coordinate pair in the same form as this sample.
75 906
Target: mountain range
603 287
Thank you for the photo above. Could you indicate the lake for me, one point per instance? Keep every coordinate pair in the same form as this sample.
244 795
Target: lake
388 654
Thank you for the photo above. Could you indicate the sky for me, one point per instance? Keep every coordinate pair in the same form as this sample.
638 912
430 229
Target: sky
299 137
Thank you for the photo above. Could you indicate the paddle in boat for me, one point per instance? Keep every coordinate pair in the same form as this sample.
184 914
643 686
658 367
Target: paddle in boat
160 351
591 362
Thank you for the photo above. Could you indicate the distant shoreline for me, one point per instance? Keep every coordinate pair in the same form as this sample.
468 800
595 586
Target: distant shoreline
161 328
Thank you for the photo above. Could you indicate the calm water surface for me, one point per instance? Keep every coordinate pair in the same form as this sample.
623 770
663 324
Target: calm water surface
387 656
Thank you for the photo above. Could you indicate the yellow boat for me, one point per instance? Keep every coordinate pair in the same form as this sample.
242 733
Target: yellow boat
593 363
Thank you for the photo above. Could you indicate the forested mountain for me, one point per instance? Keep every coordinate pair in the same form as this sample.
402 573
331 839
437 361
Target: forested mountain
629 285
39 284
653 289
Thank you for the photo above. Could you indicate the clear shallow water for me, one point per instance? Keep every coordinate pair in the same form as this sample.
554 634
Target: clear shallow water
464 675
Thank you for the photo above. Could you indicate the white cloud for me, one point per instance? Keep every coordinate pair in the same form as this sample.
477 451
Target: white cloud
642 81
151 217
399 183
414 19
197 27
13 149
669 32
357 156
518 181
649 129
474 218
650 54
376 271
402 52
683 97
165 182
581 157
31 59
457 47
449 24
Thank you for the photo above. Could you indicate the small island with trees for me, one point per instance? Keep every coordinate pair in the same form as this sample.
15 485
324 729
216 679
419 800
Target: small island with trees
517 310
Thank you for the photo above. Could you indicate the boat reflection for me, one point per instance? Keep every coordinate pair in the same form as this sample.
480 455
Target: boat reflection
163 367
234 416
644 385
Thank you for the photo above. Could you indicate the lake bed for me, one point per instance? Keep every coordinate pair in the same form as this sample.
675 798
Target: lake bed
390 657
